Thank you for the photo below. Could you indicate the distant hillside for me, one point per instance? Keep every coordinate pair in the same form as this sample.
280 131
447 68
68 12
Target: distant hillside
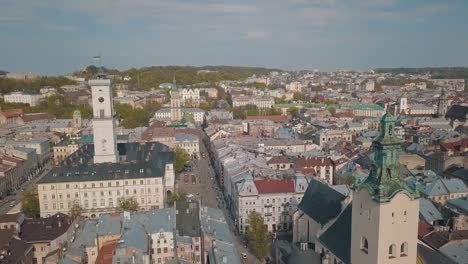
436 72
149 77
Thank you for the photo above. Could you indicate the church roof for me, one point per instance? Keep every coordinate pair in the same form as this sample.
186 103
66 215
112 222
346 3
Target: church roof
320 202
337 238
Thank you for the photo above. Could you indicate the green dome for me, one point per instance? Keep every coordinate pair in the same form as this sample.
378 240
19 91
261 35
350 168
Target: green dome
77 113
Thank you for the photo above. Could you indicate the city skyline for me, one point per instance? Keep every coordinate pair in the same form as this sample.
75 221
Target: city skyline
54 37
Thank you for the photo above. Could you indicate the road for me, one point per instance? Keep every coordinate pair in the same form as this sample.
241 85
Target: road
5 203
204 186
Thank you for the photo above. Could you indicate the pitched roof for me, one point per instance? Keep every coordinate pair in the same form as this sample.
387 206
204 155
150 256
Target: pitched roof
45 229
279 159
10 113
337 238
274 186
430 256
105 254
428 211
320 202
274 118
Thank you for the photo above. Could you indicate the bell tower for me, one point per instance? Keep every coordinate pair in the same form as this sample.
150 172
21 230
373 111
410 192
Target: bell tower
105 139
385 209
442 106
176 113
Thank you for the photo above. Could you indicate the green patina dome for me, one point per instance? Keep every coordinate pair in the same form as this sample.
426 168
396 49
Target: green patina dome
77 113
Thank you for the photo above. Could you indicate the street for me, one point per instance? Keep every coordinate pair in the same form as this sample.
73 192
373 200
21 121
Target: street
201 182
16 198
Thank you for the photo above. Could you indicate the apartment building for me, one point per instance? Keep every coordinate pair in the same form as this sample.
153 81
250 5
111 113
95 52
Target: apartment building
275 200
25 98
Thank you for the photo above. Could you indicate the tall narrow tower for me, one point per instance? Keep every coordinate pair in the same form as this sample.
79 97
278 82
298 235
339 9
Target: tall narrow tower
105 139
385 209
176 113
442 106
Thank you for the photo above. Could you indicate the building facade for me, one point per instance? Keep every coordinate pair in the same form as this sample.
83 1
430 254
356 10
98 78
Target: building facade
25 98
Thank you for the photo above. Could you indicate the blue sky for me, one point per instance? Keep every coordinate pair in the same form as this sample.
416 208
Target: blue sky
58 37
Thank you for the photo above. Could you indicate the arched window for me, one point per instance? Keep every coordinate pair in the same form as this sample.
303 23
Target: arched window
404 249
364 245
392 251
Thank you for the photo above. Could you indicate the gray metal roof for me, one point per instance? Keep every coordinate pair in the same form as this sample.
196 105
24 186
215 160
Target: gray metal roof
320 202
139 161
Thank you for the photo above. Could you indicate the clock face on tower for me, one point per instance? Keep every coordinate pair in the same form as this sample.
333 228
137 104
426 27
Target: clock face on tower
101 99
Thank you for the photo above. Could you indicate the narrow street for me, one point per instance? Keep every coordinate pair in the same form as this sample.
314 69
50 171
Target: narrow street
16 198
201 182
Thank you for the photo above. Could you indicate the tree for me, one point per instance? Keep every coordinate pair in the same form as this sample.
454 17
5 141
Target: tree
293 111
332 110
298 96
128 204
132 117
257 235
75 210
174 197
30 203
181 158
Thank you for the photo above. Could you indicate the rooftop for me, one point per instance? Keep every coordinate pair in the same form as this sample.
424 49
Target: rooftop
137 161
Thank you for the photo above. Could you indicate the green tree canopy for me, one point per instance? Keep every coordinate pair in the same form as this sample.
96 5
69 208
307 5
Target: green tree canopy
181 158
30 203
293 111
132 117
298 96
258 236
128 204
10 85
332 110
174 197
75 210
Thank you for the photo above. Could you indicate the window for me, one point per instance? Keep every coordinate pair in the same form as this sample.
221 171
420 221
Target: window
67 186
101 184
103 203
364 245
109 184
392 251
404 249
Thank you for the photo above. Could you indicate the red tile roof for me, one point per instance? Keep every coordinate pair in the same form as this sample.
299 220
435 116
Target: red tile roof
424 228
279 159
106 253
10 113
303 162
274 186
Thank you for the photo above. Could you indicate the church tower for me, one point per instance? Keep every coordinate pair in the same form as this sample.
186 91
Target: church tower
384 208
77 121
176 114
105 139
442 106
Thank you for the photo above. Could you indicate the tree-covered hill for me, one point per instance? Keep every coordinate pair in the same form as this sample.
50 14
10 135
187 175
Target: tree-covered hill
151 77
435 72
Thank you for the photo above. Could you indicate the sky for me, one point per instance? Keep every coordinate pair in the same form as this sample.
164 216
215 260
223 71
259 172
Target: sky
60 36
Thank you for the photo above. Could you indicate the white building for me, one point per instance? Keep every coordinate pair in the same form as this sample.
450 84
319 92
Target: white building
294 87
25 98
275 200
327 135
98 176
258 101
190 97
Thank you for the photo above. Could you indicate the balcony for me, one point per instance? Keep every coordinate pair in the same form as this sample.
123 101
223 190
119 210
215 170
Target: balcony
268 214
268 205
